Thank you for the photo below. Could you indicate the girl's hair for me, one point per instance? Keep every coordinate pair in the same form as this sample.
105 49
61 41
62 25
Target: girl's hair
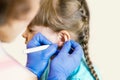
14 9
70 15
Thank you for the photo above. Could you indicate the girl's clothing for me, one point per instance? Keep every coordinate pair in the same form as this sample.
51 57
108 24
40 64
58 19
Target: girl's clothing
81 73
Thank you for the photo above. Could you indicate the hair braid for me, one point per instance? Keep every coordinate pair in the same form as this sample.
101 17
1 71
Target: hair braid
84 38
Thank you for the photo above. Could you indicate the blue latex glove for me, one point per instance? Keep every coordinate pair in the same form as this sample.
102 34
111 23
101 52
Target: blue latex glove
66 61
38 61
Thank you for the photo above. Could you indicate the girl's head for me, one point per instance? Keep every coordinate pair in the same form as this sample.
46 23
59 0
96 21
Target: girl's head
61 20
15 15
66 18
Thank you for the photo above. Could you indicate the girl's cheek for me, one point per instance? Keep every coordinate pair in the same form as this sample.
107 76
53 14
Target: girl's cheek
29 37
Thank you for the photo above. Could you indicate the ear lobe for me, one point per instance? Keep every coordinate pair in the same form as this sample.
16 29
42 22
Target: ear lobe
63 36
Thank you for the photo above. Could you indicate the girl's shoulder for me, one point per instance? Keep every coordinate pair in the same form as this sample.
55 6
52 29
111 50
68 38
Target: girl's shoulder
82 72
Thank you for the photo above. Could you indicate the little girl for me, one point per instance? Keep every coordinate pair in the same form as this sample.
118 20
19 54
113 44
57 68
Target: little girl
60 21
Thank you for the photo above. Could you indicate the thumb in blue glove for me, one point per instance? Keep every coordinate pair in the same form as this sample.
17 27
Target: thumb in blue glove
38 61
65 62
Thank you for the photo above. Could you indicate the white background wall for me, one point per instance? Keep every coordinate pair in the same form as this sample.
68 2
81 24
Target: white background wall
104 39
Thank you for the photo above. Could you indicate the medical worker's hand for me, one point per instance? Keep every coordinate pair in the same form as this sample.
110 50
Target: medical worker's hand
66 61
38 61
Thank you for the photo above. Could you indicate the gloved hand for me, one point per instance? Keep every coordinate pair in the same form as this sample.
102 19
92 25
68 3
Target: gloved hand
66 61
38 61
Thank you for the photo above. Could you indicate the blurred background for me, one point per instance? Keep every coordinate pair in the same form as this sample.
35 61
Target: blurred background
104 45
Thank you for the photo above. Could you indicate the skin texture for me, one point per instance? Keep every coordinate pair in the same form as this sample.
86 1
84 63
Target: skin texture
55 37
9 31
47 32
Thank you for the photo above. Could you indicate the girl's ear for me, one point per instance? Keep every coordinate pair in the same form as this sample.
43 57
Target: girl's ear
63 36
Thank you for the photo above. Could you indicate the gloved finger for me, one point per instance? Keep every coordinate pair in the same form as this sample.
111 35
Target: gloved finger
78 51
51 50
66 48
38 40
